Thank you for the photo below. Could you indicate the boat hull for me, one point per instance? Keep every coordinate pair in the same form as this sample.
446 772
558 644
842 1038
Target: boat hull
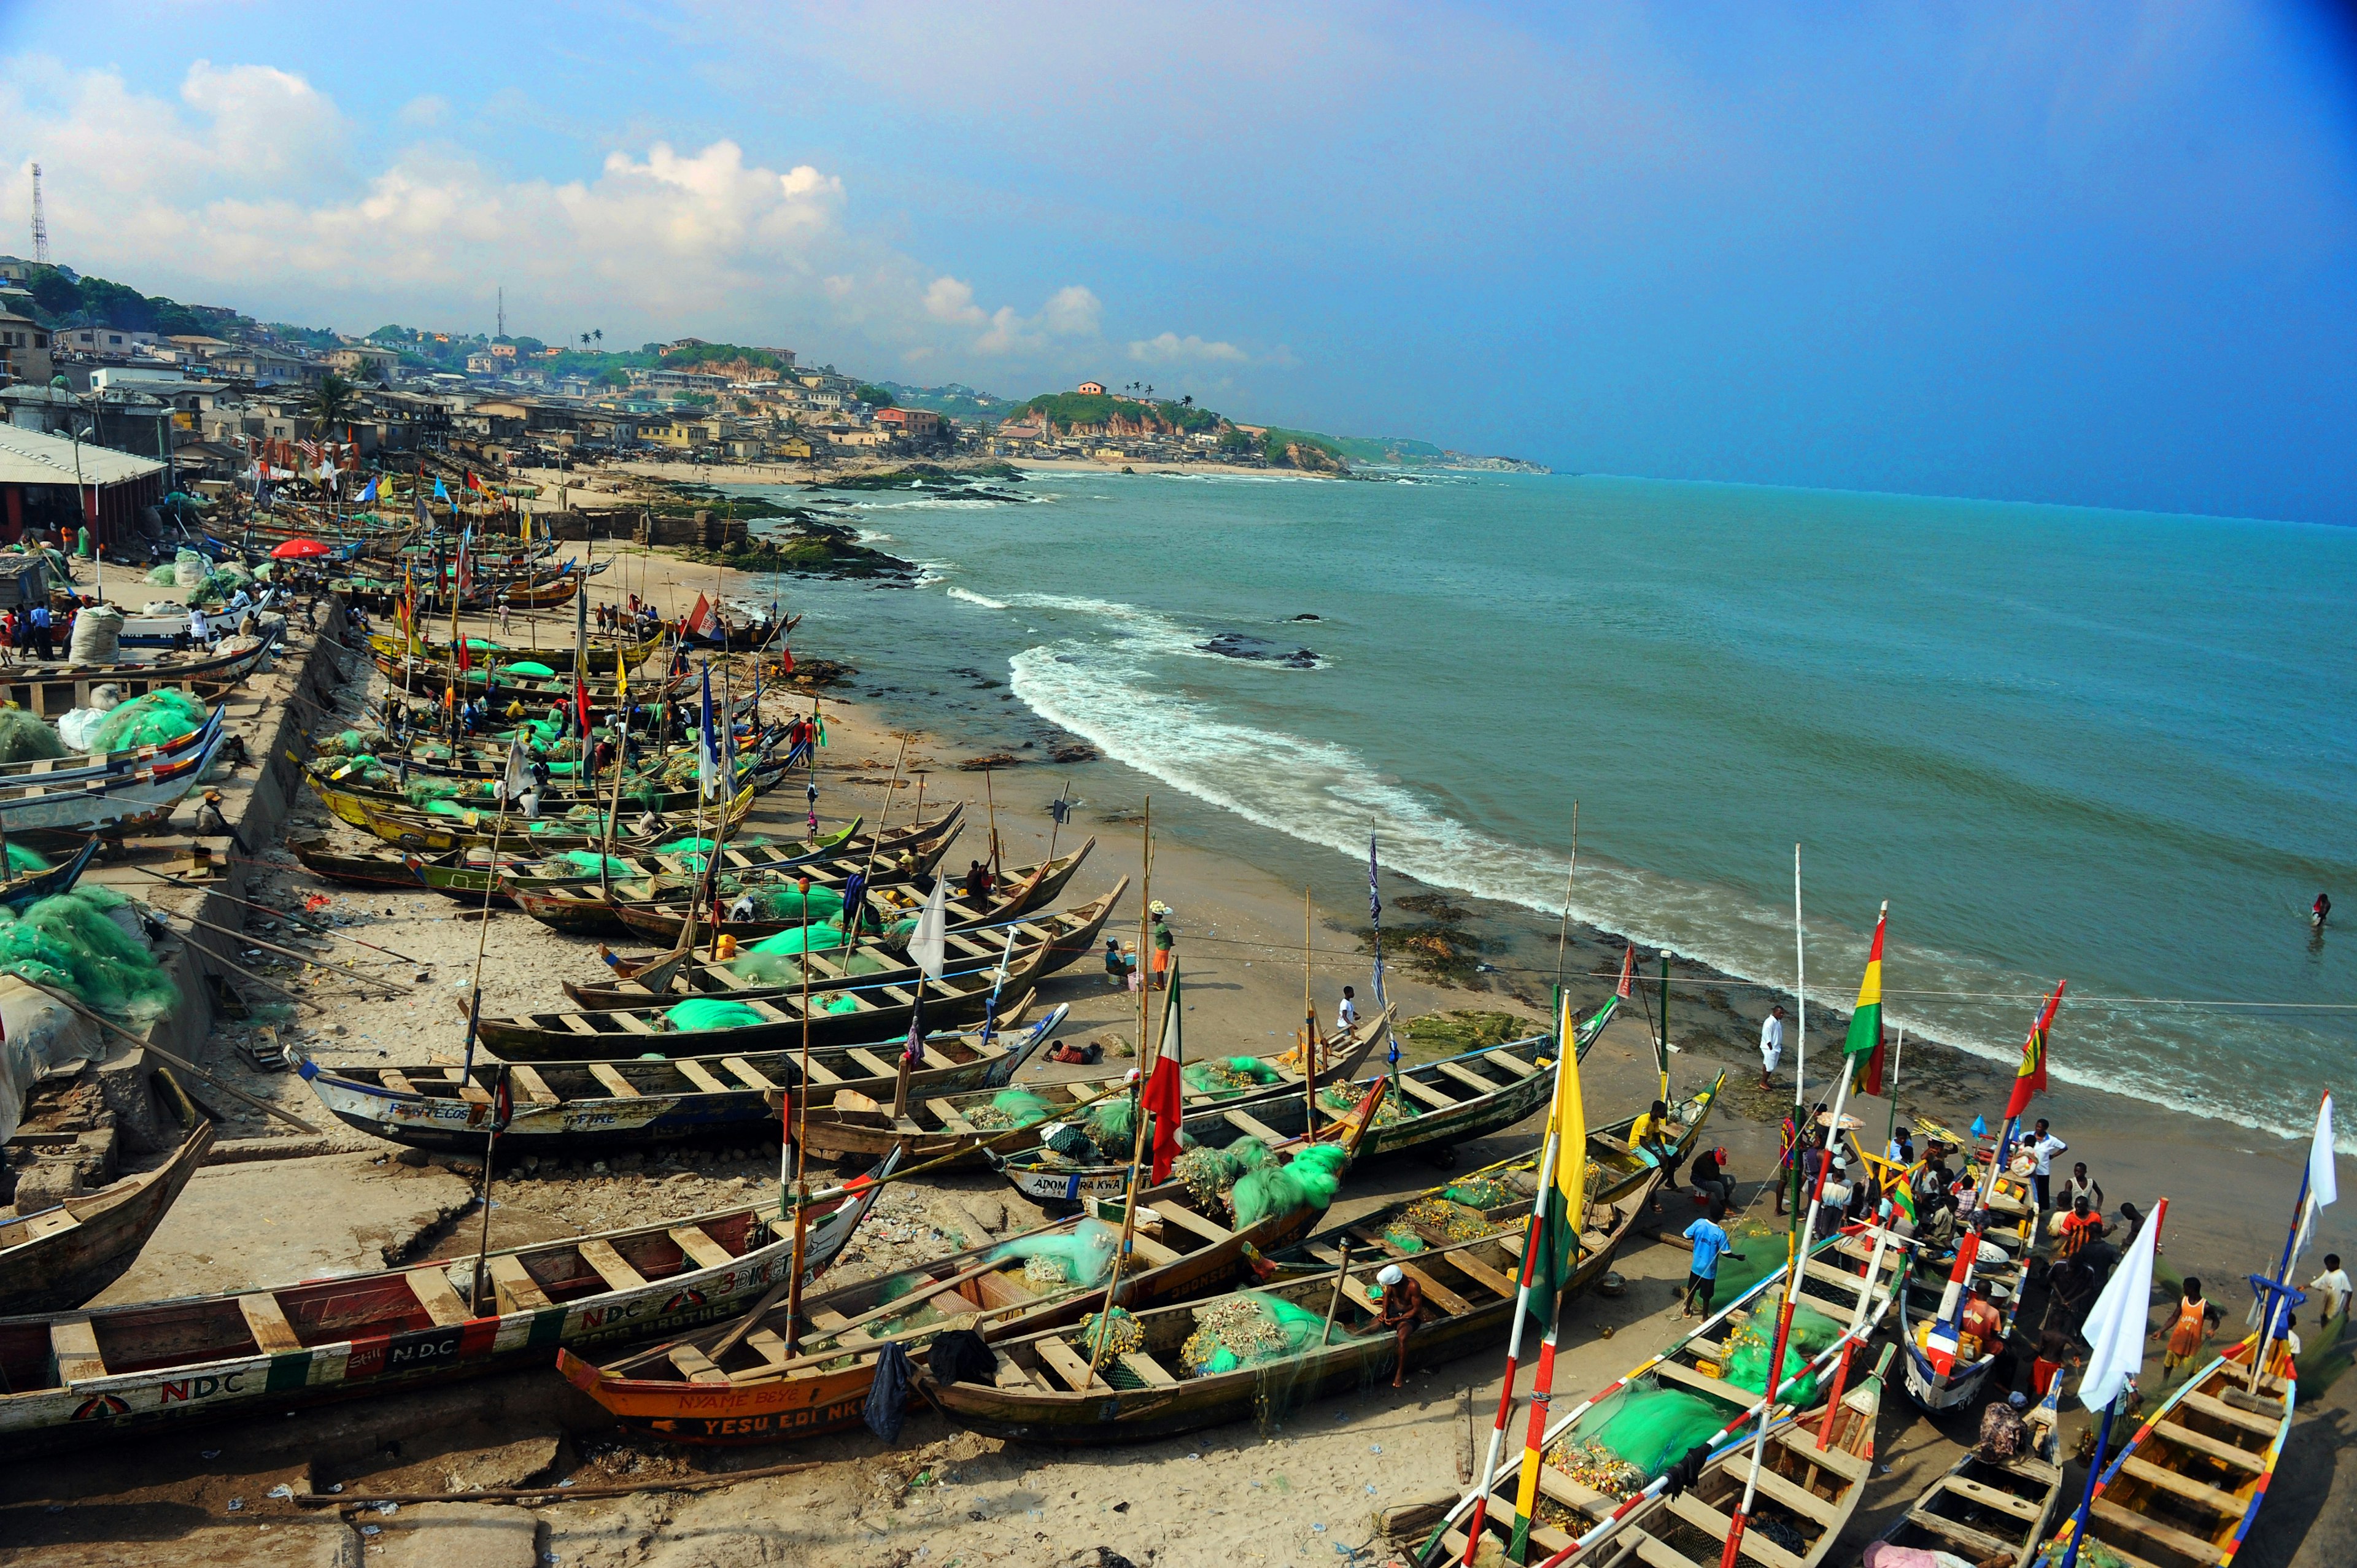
62 1266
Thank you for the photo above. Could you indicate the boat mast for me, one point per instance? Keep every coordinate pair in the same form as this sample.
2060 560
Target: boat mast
1136 1112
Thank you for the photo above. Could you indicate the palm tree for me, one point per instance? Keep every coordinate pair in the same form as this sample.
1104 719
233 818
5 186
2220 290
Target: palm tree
1149 391
600 336
331 400
1186 402
585 340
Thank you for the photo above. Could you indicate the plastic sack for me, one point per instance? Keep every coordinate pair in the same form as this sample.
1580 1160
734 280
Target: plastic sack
23 737
160 717
97 637
1082 1256
39 1035
189 569
77 725
703 1015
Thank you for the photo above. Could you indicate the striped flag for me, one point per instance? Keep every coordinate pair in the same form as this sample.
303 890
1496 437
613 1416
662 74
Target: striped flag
1562 1206
1164 1088
1627 989
1865 1020
2031 1076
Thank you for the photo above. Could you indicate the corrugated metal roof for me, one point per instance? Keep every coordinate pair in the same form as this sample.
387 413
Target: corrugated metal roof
30 457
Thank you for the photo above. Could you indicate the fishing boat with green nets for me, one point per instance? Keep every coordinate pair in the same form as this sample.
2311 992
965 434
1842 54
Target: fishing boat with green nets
603 650
351 792
1703 1391
584 827
47 689
785 1378
1263 1354
566 1110
971 1130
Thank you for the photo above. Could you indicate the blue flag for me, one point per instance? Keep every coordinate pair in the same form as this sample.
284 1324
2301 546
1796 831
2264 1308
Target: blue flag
367 496
1375 919
708 747
439 493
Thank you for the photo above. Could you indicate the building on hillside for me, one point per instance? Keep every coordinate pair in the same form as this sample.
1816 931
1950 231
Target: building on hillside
40 476
1091 389
915 423
107 342
364 360
25 349
265 367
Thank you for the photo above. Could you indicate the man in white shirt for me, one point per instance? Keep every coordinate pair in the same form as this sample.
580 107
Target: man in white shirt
1346 1016
2334 1283
2042 1147
1771 1044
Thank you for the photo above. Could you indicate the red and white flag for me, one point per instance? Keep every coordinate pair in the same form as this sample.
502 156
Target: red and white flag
699 619
1627 986
1164 1090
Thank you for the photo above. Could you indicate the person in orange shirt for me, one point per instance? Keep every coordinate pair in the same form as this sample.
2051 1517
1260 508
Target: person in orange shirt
2080 1227
2189 1331
1982 1328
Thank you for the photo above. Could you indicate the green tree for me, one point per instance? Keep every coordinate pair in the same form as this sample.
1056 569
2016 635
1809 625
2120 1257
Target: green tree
876 396
331 400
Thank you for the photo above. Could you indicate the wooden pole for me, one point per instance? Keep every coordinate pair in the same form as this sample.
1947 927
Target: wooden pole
1137 1118
490 1146
802 1153
1334 1302
990 797
1563 926
1309 1028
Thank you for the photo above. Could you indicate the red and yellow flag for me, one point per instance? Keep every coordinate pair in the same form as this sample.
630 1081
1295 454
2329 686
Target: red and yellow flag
2031 1076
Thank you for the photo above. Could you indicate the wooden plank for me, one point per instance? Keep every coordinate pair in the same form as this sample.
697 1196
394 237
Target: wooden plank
821 1075
872 1062
1474 1268
610 1076
513 1286
705 1253
1435 1292
396 1079
748 1074
578 1024
1155 1253
535 1088
767 1345
1250 1127
632 1024
2227 1413
1655 1552
473 1093
2200 1493
2152 1530
1066 1364
611 1266
1413 1085
696 1366
2202 1443
1679 1372
1008 1374
267 1321
1994 1497
696 1073
75 1345
1148 1370
1573 1494
1511 1062
1784 1489
827 1322
1471 1079
1756 1545
1978 1545
441 1303
1185 1218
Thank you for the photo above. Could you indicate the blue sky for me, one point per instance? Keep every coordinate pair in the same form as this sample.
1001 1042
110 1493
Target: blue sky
2102 254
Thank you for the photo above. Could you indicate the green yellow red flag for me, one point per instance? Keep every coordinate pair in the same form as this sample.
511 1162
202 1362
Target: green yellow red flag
1865 1039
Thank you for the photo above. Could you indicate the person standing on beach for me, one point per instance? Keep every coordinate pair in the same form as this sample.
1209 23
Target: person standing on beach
1164 944
1709 1240
2042 1147
1788 1149
2189 1330
1771 1047
2079 1185
1346 1016
2334 1283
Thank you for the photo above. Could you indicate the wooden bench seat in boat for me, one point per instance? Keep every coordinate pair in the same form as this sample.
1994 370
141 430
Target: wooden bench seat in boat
1756 1545
441 1303
1153 1252
696 1073
1988 1497
694 1364
1783 1488
2202 1443
701 1248
748 1074
1150 1370
535 1088
1978 1545
611 1265
608 1074
2200 1493
2177 1540
1253 1128
1067 1363
267 1321
1180 1217
513 1287
2222 1411
74 1343
1425 1092
1471 1079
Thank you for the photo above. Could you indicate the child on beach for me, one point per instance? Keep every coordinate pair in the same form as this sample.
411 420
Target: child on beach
2189 1330
1709 1241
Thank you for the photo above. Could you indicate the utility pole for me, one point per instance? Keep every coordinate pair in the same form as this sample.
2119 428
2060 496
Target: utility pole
40 224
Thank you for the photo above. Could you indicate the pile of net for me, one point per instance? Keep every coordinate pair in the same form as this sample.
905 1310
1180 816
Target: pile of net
189 569
1309 1181
1435 1217
23 862
589 862
703 1015
164 577
1210 1174
160 717
817 937
1342 1099
1227 1075
1121 1332
787 902
530 668
1628 1439
1481 1192
75 942
23 737
1080 1256
1748 1348
1248 1328
1010 1108
345 742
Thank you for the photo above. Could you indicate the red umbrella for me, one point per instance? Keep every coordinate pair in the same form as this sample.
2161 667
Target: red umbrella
300 550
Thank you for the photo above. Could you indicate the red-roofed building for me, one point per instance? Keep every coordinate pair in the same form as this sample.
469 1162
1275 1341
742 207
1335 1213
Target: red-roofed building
916 422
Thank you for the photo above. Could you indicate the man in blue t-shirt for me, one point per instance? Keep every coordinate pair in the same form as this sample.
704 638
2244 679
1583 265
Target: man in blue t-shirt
1709 1240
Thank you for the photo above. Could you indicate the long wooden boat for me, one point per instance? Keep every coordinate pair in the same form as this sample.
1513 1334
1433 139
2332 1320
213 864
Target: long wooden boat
55 1258
565 1109
759 1391
49 690
1041 945
1023 890
1849 1278
1986 1510
2186 1487
115 803
603 650
88 1375
1465 1260
435 834
18 891
350 798
533 690
968 1131
1997 1269
44 771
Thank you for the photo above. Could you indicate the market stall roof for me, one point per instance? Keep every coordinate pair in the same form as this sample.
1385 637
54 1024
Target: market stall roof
30 457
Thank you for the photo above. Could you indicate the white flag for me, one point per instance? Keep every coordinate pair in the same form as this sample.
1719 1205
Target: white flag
2116 1328
931 942
2323 1188
518 777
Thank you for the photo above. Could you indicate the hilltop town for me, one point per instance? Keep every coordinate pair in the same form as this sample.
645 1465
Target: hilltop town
203 387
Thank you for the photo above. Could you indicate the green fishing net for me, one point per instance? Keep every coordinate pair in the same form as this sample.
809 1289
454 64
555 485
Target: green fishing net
155 719
1225 1075
23 862
1747 1350
1209 1173
589 862
1763 1247
788 903
1339 1098
445 809
162 576
1010 1108
422 792
72 941
840 1003
23 737
1630 1438
817 937
1121 1332
702 1014
529 667
1112 1125
1480 1192
1080 1256
1248 1328
1310 1181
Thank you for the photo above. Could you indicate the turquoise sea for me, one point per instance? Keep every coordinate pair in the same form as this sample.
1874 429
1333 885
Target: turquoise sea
2112 746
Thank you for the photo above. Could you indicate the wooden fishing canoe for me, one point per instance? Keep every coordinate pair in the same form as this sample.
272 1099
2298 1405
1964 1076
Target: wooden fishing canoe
1042 1391
567 1108
2186 1487
81 1376
58 1258
1849 1278
350 797
2005 1247
947 1127
1986 1509
603 652
759 1392
47 689
115 805
1042 945
436 834
18 891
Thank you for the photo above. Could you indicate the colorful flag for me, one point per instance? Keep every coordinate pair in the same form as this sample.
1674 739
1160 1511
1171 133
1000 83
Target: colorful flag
699 619
2031 1076
367 496
475 484
708 754
786 661
1565 1201
621 680
1865 1020
581 703
929 945
440 494
1163 1089
1627 989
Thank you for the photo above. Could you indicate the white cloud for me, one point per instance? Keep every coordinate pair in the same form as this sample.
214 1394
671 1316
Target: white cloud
1072 312
428 109
947 299
1169 348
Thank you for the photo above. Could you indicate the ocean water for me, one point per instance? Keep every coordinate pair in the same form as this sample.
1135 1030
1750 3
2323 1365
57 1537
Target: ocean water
2060 742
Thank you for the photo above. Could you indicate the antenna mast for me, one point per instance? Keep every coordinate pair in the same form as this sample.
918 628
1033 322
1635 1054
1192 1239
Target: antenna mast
503 309
40 224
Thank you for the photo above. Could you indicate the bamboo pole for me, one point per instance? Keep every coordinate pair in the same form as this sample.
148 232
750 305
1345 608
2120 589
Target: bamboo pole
1309 1039
1138 1118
